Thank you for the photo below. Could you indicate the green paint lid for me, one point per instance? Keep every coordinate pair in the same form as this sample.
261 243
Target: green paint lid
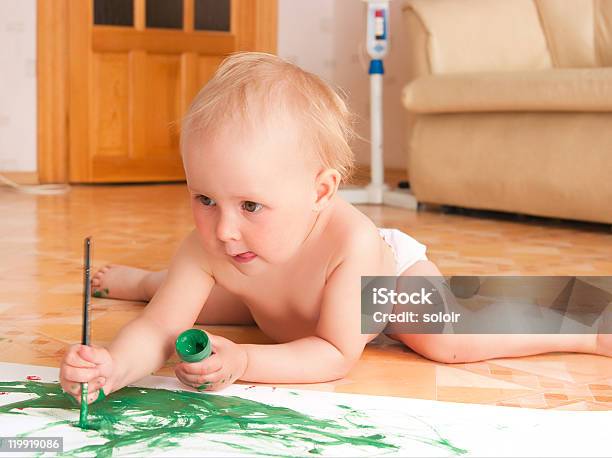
193 345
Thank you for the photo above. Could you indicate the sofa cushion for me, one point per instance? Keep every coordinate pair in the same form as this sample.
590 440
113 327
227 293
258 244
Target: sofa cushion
545 90
603 31
482 35
570 30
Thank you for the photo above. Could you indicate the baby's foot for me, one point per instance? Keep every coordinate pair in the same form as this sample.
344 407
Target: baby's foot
119 282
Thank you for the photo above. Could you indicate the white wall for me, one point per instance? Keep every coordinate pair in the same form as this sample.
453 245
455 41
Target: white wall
305 35
326 37
18 85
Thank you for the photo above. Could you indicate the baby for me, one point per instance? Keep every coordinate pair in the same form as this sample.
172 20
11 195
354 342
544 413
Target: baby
265 146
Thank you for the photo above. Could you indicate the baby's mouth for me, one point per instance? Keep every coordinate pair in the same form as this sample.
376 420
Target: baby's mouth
245 257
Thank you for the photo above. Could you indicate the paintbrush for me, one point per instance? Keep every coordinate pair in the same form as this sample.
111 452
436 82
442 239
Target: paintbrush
85 335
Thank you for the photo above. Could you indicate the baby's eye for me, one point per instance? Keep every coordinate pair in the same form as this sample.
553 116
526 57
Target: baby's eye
251 207
206 201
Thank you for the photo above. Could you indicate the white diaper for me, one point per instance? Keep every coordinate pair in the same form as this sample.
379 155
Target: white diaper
406 250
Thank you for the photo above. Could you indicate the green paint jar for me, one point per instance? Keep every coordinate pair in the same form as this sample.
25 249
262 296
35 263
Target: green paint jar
193 345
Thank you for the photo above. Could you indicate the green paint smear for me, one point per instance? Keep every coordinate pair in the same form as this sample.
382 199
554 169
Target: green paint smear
145 419
437 441
84 407
157 418
101 293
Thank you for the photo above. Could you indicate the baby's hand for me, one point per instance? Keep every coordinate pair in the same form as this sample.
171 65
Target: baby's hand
90 364
226 365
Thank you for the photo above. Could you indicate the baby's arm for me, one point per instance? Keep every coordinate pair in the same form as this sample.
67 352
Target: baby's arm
146 343
336 345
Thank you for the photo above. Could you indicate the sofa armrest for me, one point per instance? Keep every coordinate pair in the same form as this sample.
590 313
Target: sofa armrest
558 90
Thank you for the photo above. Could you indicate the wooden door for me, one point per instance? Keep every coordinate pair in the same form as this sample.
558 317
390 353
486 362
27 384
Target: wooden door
134 66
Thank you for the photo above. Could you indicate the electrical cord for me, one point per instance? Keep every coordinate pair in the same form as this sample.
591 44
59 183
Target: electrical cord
42 189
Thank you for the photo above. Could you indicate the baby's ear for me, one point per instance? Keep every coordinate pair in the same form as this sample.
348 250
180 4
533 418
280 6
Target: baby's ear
326 185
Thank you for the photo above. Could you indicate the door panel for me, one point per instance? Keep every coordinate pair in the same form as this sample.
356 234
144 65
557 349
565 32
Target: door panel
206 67
110 110
162 101
133 72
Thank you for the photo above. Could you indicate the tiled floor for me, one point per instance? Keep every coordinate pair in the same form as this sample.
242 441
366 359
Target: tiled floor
41 281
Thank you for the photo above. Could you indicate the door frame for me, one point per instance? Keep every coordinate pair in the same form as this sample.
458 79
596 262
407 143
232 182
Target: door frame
254 22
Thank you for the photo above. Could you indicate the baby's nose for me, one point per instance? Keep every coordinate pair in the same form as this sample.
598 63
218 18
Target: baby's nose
227 230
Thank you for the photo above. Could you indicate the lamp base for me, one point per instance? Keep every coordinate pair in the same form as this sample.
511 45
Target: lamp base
379 195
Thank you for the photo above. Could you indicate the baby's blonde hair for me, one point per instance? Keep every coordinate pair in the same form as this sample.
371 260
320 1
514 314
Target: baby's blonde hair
274 83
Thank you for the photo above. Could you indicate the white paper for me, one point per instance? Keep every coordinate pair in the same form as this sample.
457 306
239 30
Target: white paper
414 427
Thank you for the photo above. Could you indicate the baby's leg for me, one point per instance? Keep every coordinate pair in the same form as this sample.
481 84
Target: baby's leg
466 348
463 348
128 283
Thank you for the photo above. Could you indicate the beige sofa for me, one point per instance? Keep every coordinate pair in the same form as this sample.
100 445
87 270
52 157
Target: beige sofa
510 105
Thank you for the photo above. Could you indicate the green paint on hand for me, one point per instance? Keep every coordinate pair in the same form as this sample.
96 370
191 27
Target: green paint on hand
204 386
146 420
101 293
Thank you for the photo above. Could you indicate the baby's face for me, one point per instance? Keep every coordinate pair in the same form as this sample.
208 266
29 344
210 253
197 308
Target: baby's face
252 194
